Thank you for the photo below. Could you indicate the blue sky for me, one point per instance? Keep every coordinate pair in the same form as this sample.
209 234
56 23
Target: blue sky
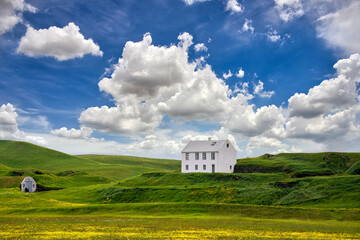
145 77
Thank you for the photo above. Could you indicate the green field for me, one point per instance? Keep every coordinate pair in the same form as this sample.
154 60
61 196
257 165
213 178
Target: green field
285 196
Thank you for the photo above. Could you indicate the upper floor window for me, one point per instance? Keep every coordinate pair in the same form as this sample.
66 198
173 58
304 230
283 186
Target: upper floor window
212 156
186 156
204 156
227 145
196 156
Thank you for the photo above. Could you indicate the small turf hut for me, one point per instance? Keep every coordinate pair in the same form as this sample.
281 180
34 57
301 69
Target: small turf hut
28 185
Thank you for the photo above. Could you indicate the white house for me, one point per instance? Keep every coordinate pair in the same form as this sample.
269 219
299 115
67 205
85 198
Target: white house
208 156
28 185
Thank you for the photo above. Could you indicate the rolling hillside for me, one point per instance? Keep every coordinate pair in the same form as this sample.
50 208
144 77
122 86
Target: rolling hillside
329 180
302 164
55 170
122 167
340 191
315 195
23 155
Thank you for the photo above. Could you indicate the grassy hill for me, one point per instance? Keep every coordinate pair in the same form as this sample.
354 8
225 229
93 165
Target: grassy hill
291 179
54 170
302 164
23 155
243 188
270 194
122 167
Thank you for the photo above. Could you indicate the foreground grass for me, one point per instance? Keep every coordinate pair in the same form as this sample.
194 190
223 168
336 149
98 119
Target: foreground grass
57 208
151 227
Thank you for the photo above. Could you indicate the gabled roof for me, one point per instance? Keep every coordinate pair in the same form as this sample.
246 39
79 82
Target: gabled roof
28 178
204 146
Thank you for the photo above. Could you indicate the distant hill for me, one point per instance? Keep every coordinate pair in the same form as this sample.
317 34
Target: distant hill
22 155
55 169
121 167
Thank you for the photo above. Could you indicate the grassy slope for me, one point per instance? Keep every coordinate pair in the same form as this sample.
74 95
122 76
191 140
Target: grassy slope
59 170
22 155
249 188
123 167
297 164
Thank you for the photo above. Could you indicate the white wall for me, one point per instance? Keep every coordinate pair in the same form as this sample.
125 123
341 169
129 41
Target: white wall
228 158
192 162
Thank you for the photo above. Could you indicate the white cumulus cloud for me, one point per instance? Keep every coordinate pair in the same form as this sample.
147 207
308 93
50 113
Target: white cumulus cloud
149 82
267 120
247 26
9 126
61 43
240 73
322 128
11 13
328 113
234 6
227 75
8 123
82 133
185 40
126 118
259 90
200 47
330 94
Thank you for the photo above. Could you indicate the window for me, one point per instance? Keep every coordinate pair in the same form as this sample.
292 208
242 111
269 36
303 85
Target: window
196 156
212 156
204 167
23 185
196 167
213 143
230 167
204 156
186 167
227 145
186 156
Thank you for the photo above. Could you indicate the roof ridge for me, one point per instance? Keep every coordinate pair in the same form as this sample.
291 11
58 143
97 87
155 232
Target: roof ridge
204 145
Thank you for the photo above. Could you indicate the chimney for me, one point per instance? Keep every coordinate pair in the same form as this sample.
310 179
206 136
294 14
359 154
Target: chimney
209 138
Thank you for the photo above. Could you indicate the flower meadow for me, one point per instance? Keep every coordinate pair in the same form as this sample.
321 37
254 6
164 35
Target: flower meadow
128 228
